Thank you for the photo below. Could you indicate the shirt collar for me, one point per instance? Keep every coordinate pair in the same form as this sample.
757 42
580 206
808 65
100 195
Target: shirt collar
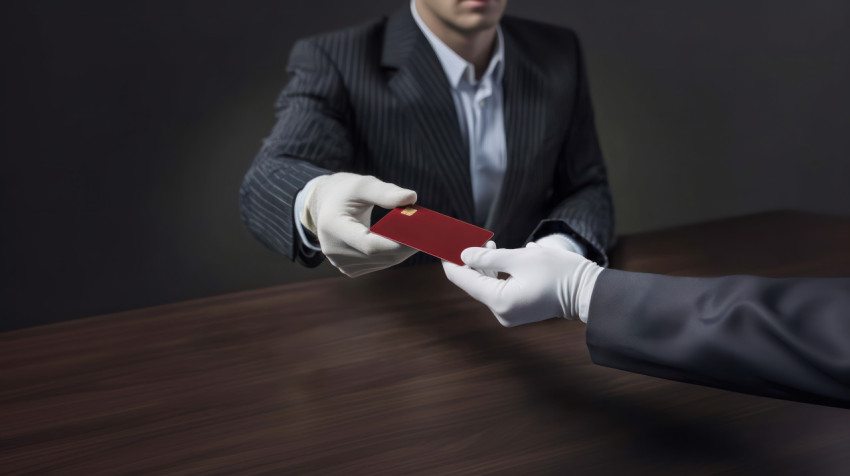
455 67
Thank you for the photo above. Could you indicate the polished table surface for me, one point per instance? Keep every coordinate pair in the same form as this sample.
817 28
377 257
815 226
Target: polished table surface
401 372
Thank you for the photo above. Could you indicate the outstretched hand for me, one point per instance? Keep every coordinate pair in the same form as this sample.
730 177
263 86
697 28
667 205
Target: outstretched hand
338 210
543 283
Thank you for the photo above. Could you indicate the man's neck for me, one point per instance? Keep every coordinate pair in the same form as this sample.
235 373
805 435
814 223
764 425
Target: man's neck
475 47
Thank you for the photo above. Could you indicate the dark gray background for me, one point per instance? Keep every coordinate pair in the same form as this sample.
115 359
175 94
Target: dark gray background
127 129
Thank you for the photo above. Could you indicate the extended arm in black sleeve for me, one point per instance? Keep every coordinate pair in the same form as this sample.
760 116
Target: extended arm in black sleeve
311 138
582 205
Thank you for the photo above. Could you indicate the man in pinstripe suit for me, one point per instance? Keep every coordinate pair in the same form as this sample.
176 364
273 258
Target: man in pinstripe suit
483 118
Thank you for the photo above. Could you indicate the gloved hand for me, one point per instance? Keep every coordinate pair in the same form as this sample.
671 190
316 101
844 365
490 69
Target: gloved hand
337 210
543 282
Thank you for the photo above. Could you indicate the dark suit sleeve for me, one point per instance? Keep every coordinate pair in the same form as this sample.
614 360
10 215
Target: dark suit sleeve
311 138
783 338
582 206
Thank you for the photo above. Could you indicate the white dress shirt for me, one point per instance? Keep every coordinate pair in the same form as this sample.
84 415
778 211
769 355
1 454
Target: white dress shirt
480 108
481 113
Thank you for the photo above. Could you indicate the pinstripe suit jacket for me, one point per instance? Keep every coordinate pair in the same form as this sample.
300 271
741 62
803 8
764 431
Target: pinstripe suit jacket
374 99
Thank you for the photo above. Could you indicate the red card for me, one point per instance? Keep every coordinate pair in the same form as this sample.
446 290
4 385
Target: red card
434 233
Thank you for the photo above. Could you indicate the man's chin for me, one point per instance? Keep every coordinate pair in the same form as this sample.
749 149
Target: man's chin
476 24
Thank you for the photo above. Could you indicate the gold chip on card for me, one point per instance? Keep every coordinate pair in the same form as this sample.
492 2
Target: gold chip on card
408 211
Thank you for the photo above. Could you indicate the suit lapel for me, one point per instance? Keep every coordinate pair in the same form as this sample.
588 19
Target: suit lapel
423 92
525 100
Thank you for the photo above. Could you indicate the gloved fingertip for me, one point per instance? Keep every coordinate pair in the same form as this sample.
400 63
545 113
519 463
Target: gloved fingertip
491 245
405 197
469 255
465 256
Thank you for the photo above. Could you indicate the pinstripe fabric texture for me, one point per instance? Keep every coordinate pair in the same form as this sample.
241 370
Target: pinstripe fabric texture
374 100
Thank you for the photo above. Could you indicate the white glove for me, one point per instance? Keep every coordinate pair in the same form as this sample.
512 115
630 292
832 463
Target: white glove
337 210
543 282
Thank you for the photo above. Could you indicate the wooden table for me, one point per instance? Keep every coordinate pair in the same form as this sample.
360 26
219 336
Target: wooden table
400 371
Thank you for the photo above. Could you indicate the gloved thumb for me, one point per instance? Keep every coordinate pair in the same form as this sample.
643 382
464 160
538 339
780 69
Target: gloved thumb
384 194
488 260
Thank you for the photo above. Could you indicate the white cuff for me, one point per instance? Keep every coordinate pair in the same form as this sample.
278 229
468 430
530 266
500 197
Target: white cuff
562 241
298 207
586 292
